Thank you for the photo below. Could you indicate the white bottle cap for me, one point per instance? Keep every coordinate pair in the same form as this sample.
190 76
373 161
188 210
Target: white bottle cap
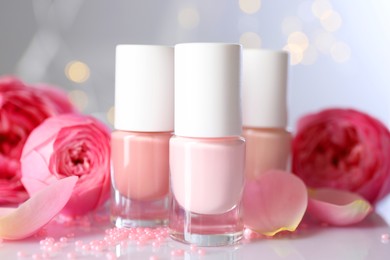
264 83
144 88
207 90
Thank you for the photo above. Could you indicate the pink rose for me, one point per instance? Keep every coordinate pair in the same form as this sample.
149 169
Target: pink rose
343 149
22 108
69 145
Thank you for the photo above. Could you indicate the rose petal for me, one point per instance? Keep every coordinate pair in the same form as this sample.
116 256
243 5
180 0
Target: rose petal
274 202
337 207
37 211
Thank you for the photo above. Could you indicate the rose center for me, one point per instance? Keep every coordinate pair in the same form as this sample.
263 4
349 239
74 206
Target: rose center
344 155
79 160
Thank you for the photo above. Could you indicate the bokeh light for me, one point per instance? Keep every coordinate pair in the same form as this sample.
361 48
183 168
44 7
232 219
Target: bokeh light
319 7
291 24
111 115
295 53
331 21
77 71
250 6
188 18
250 40
340 52
298 39
79 99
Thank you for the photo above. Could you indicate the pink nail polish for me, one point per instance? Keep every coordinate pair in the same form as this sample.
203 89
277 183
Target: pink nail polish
264 109
207 154
140 144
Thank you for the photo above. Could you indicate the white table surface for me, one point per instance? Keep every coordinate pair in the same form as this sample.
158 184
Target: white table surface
362 241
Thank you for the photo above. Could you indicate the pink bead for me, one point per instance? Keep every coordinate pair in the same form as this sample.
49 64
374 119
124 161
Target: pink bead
79 243
160 239
140 230
111 256
21 254
50 239
153 257
98 248
63 239
71 255
178 252
201 251
49 249
36 256
193 247
156 244
251 235
85 247
57 246
385 238
140 243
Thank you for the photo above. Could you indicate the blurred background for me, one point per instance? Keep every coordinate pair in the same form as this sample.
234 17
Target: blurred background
339 50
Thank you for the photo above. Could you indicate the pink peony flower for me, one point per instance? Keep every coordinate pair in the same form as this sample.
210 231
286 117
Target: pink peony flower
343 149
69 145
22 108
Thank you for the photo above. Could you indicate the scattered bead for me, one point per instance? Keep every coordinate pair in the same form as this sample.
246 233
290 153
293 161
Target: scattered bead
21 254
153 257
71 255
385 238
201 251
36 256
111 256
177 252
79 243
85 247
193 248
251 235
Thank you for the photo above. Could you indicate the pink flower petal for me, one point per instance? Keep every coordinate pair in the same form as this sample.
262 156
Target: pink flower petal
37 211
274 202
337 207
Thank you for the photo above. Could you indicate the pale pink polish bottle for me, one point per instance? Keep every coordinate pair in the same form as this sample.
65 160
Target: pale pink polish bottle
264 108
207 153
140 144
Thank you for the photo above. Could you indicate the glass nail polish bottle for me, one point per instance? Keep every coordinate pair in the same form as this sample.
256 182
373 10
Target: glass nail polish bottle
207 153
264 108
140 144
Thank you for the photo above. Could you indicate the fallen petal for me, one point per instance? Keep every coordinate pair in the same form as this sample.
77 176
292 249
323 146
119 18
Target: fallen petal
36 212
337 207
275 202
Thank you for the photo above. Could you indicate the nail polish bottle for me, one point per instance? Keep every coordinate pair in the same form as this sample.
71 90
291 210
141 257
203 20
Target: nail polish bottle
207 153
140 144
264 109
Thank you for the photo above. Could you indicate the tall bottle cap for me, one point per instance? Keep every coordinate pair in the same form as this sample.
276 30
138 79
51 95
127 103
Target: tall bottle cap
144 88
207 90
264 83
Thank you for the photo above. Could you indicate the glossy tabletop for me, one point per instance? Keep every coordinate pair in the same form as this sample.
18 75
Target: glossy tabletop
367 240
